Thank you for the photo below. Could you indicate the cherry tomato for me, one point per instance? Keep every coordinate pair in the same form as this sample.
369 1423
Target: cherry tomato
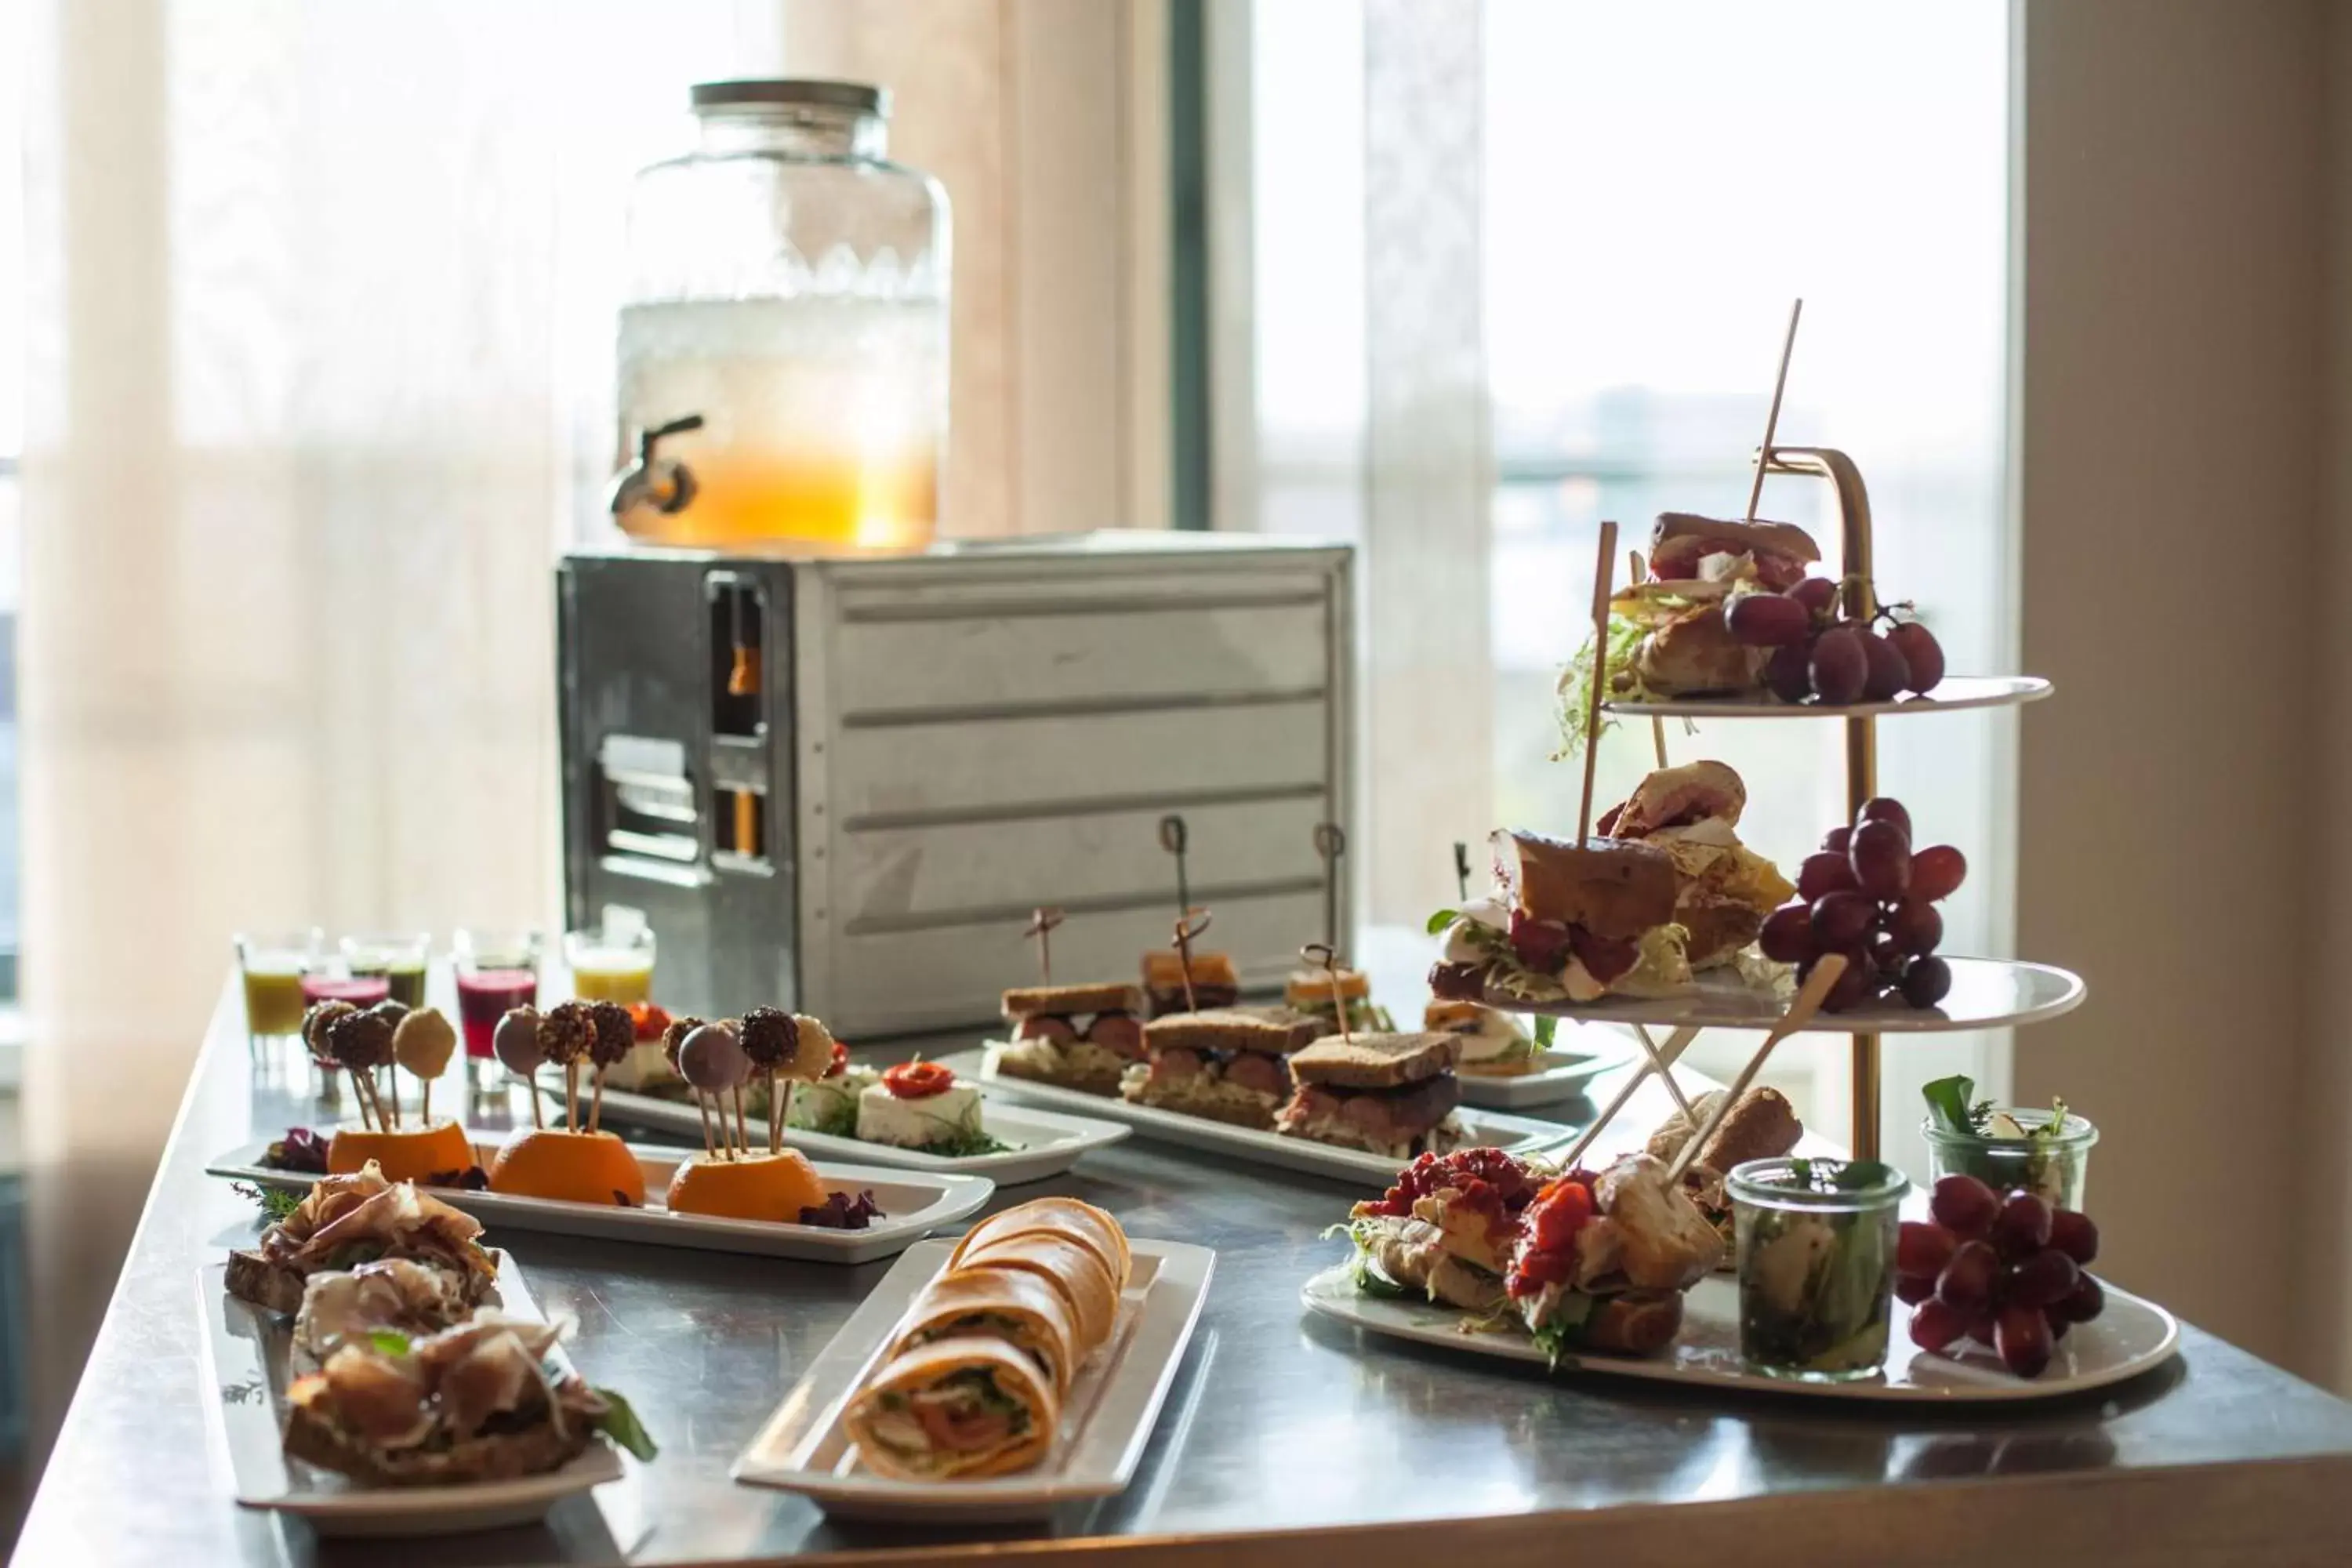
917 1080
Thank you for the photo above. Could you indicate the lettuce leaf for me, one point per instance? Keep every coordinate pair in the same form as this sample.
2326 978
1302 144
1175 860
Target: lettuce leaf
621 1424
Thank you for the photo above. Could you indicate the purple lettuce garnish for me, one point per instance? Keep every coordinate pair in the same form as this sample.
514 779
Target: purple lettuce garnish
841 1212
300 1150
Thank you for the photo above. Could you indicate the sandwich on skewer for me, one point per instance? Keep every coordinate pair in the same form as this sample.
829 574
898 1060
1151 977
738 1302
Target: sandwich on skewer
1079 1036
1227 1064
1565 923
1723 890
1761 1125
1310 992
1385 1093
1215 982
1671 635
1686 547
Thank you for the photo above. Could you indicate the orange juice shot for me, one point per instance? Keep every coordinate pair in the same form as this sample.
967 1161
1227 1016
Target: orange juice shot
609 965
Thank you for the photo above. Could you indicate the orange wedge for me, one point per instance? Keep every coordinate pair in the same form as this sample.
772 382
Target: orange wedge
774 1187
576 1168
408 1155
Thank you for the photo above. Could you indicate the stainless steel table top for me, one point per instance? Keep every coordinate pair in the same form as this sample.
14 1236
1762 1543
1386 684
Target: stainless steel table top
1276 1423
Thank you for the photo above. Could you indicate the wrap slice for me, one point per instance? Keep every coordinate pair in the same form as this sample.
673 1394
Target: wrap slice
959 1407
997 1303
1067 1217
1064 1263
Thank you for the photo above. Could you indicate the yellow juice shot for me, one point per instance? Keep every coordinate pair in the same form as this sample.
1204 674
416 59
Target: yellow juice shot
609 965
272 968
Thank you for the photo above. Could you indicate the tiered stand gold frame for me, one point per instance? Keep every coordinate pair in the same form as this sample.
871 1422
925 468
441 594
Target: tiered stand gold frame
1987 993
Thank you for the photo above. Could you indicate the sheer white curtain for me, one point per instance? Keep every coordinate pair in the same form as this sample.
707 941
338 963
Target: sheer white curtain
318 378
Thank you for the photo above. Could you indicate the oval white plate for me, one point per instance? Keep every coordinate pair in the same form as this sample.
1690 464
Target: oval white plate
246 1352
912 1206
2130 1338
1516 1133
1952 694
1045 1142
1987 994
1565 1073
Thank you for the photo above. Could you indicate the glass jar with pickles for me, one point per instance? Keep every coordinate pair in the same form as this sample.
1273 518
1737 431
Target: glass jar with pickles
1815 1246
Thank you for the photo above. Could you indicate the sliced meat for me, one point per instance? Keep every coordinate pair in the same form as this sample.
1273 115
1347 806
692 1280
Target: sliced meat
1541 946
1118 1033
1044 1026
1457 982
1603 959
1266 1074
1384 1115
1175 1064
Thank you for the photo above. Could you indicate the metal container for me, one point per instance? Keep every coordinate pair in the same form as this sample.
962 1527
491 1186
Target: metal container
841 784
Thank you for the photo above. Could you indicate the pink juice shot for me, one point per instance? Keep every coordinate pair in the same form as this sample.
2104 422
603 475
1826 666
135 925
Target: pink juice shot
484 995
360 991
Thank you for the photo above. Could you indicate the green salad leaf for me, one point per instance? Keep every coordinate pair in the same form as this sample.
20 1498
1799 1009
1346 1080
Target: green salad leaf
1441 920
1949 1103
1547 1027
621 1424
388 1341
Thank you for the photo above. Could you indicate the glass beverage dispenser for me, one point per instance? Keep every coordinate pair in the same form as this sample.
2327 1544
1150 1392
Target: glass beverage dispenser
784 350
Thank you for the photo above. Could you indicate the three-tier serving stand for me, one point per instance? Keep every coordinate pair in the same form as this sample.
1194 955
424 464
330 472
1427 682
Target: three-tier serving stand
1987 993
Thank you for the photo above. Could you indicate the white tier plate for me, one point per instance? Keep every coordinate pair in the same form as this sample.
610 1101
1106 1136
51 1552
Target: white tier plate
1953 694
913 1206
2130 1337
1045 1142
247 1351
1517 1134
1106 1420
1563 1075
1987 994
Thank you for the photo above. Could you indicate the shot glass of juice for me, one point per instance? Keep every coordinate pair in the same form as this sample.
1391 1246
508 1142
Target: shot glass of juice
611 964
496 970
395 957
272 967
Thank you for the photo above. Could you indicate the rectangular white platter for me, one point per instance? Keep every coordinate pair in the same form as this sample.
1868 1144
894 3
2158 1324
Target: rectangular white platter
1518 1134
248 1355
1045 1142
2131 1336
912 1204
1105 1421
1562 1076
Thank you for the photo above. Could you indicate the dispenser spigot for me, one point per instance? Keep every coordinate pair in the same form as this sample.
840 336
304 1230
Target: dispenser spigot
664 484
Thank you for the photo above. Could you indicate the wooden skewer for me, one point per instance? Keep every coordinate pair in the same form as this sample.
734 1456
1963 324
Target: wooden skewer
596 1100
1634 575
1330 843
1041 926
1174 838
572 1096
1189 925
1608 560
1772 418
1320 953
426 1091
359 1092
742 1132
1462 869
778 1114
1668 1054
392 1074
710 1144
531 1092
1664 1070
1826 972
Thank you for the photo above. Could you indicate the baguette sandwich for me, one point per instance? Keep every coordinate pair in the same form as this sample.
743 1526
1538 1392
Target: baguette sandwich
1762 1125
1565 923
1079 1036
1388 1094
1667 634
1723 890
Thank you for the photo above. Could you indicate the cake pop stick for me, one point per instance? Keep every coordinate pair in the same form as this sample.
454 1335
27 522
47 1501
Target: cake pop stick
772 1046
361 1042
566 1031
711 1059
315 1024
515 1042
615 1037
385 1070
424 1042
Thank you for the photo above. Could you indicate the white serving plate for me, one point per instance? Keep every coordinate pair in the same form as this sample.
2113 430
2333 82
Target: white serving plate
247 1351
2128 1339
1518 1134
1046 1143
912 1206
1563 1076
1987 994
1105 1421
1952 694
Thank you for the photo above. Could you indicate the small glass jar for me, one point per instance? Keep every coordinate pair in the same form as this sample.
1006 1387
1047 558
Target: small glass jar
1815 1243
2052 1168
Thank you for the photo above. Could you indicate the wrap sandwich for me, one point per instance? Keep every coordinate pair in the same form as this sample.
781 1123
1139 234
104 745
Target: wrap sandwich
1082 1222
998 1303
1069 1266
963 1407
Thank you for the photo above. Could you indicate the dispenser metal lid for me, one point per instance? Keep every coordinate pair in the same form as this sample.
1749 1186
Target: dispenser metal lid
791 92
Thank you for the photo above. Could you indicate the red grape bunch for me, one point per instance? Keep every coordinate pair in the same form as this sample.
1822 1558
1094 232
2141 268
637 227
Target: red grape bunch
1834 658
2008 1272
1868 895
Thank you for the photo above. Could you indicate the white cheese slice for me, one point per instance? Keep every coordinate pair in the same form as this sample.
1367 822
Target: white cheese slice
883 1118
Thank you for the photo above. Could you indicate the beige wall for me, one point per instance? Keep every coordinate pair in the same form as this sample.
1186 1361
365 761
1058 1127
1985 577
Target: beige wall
2172 385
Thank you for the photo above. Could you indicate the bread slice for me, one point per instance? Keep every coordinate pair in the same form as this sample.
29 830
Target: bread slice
1376 1061
1271 1031
486 1456
273 1287
1613 887
1062 1001
1312 987
1781 538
